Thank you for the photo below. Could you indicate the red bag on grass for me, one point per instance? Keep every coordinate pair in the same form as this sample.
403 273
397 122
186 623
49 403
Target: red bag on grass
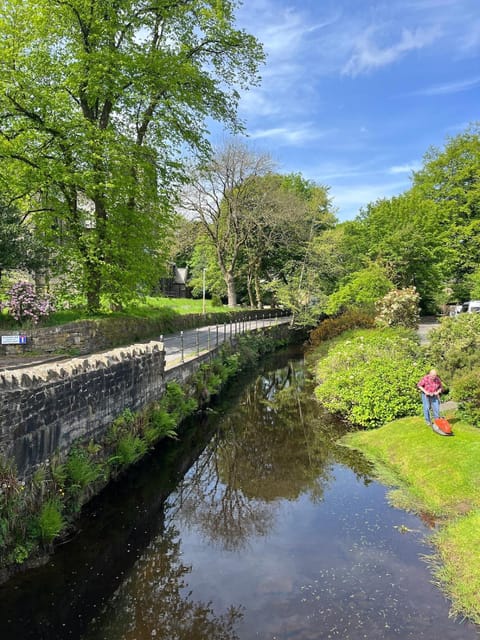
443 427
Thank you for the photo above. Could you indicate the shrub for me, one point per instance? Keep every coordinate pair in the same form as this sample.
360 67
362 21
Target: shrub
130 448
466 391
369 377
161 423
454 346
399 308
80 472
333 327
216 300
50 521
24 304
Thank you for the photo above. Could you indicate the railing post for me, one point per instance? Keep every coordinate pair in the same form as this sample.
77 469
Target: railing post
197 339
182 355
208 339
216 330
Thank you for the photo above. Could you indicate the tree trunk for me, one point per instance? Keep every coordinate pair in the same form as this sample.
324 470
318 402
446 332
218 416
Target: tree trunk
231 289
249 290
258 293
93 287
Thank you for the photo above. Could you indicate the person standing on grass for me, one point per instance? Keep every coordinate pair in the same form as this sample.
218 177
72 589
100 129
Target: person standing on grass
431 388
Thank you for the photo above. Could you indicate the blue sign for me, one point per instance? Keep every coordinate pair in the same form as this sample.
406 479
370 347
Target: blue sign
14 339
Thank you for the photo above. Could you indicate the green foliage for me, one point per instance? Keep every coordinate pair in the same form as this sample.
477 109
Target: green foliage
11 241
473 282
204 257
370 376
360 289
130 448
399 308
216 300
466 391
333 327
300 289
81 471
402 235
454 346
119 82
50 521
176 402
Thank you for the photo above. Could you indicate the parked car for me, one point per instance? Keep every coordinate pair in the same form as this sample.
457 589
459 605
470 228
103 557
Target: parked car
472 306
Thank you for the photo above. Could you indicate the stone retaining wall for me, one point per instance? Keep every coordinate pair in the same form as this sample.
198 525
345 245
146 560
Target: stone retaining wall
47 407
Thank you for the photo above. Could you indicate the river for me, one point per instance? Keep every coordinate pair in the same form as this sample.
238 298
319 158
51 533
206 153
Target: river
255 524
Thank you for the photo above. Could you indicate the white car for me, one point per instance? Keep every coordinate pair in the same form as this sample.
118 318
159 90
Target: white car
472 306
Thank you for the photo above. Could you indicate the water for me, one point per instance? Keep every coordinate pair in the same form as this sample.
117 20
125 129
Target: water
255 526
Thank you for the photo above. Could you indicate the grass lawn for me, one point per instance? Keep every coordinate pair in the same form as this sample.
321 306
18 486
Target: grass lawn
437 476
149 307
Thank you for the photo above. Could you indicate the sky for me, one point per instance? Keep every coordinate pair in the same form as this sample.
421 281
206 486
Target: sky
354 92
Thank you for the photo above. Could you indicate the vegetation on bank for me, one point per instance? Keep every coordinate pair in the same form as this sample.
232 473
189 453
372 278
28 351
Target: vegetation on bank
36 512
369 377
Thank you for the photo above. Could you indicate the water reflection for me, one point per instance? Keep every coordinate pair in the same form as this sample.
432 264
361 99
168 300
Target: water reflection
153 602
257 526
276 444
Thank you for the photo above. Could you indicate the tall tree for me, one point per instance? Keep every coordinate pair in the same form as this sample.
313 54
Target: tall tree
219 196
96 96
450 181
402 235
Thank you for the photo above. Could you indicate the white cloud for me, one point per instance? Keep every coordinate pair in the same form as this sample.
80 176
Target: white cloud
369 55
291 134
448 87
404 168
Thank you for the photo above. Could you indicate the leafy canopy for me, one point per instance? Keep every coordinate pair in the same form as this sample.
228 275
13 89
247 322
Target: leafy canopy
98 100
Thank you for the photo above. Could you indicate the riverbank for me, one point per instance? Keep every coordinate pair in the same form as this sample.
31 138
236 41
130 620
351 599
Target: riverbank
369 377
437 478
38 510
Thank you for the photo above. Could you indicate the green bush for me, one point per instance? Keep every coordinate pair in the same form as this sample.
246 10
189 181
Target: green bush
369 377
80 472
130 448
333 327
176 402
161 423
454 346
216 300
466 391
80 469
50 521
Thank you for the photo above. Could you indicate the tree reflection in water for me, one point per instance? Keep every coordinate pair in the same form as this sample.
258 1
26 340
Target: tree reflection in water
276 444
154 602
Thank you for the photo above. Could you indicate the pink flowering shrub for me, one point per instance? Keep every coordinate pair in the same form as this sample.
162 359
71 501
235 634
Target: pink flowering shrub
24 304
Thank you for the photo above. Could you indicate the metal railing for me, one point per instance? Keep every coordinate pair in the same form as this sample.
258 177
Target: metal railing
190 344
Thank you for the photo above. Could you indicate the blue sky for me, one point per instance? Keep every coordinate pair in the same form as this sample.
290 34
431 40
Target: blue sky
354 92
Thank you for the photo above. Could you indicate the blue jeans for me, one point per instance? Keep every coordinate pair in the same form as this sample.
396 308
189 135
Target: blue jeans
430 403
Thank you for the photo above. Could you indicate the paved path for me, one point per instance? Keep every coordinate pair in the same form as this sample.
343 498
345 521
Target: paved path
185 345
426 325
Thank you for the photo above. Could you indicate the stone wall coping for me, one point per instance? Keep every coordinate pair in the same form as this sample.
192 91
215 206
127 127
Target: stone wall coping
38 374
